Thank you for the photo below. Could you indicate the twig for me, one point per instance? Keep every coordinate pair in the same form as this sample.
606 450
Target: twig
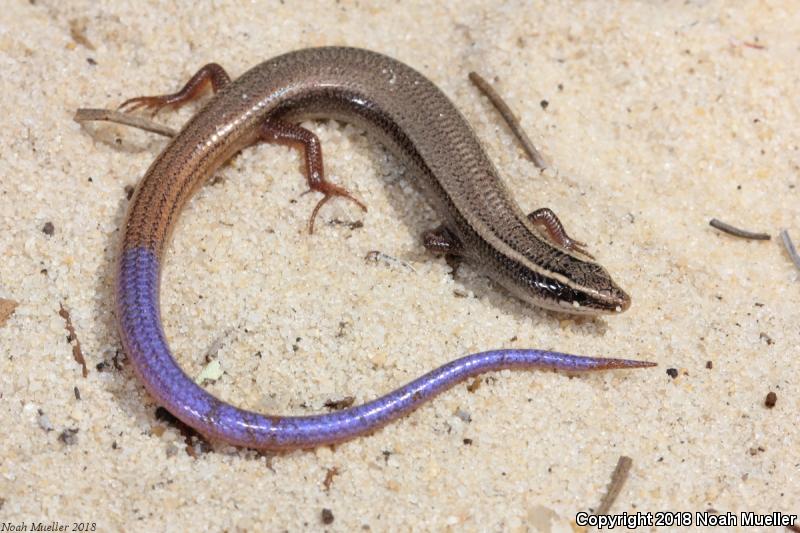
510 119
618 479
378 256
329 475
744 234
85 114
77 353
790 249
337 405
77 30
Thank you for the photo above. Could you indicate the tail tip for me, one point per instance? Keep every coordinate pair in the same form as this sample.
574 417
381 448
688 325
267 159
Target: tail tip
633 363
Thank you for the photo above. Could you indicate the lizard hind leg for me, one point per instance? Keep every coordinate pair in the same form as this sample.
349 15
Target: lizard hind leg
441 241
280 132
210 74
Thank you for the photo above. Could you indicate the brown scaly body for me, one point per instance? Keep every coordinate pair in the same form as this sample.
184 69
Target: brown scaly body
412 117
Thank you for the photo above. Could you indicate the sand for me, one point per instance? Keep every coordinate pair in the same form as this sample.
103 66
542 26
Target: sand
655 119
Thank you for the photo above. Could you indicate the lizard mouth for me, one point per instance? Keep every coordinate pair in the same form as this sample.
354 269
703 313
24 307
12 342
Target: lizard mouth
602 302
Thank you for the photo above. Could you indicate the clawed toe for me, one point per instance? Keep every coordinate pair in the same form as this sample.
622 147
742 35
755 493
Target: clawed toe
152 103
330 191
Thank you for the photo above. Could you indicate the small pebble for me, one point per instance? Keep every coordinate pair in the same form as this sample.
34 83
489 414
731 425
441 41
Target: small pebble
69 437
463 415
44 421
770 400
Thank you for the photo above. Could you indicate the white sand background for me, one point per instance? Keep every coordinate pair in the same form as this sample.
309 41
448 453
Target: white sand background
660 116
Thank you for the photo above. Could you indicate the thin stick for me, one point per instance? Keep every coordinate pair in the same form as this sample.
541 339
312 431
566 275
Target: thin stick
89 114
744 234
790 249
510 119
77 353
618 479
377 256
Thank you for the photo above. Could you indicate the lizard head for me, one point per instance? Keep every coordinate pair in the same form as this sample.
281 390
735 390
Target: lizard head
569 285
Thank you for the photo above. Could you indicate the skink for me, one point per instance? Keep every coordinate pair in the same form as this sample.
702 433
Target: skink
531 256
